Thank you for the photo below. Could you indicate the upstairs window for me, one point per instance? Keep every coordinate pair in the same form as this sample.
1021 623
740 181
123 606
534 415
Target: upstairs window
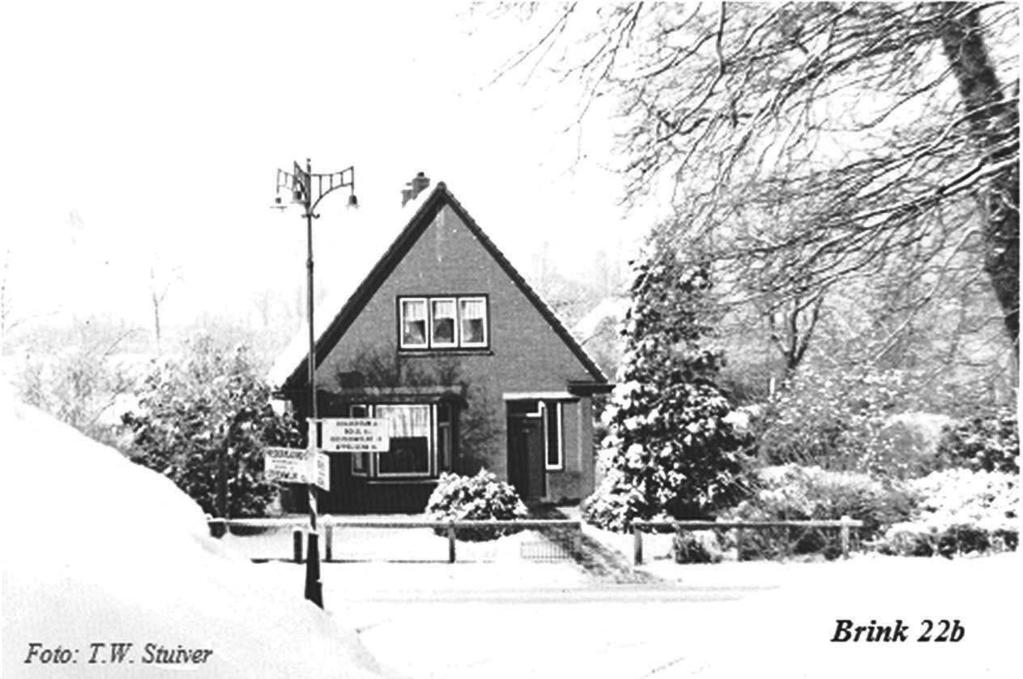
443 325
443 322
413 323
474 321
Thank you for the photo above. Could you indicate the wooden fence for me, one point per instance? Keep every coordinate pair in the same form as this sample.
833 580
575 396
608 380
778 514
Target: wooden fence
328 523
843 525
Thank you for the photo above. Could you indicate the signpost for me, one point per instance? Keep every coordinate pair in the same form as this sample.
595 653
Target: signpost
311 466
295 465
355 435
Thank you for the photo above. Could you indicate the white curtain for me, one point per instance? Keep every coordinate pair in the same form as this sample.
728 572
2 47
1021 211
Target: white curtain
414 310
473 308
406 421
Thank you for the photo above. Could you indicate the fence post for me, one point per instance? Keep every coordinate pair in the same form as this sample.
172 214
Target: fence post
637 544
738 544
218 527
844 536
676 546
577 540
328 541
451 542
296 541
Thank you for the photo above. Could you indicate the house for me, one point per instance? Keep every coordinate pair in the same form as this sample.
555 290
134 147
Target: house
445 340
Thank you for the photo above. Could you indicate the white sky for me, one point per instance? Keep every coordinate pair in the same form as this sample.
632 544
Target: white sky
161 126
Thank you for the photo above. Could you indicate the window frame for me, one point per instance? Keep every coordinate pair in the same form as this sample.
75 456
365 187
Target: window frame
486 322
367 470
427 327
553 417
459 340
455 334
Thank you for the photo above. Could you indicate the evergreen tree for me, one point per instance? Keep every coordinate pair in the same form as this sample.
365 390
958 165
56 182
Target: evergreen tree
203 421
671 447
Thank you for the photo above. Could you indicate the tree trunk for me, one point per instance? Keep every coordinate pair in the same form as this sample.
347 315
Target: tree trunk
994 126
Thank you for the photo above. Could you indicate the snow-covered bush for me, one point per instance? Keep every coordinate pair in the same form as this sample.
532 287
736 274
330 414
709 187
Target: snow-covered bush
792 492
958 511
479 497
842 419
203 420
700 546
988 442
672 449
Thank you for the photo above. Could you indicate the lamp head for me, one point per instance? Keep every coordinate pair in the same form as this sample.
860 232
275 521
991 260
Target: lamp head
353 202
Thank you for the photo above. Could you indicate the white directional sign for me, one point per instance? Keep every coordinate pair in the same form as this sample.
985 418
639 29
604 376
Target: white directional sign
294 465
355 435
287 465
321 475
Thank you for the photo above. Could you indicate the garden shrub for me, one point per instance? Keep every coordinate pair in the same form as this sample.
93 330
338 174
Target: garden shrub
700 546
479 497
844 420
958 512
985 442
792 492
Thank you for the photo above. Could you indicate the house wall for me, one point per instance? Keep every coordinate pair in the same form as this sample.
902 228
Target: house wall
525 353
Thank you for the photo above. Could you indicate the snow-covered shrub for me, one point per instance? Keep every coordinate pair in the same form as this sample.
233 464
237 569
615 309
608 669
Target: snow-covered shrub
842 419
700 546
672 449
203 420
479 497
792 492
958 512
988 442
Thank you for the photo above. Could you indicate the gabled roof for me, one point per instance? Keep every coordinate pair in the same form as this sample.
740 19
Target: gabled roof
361 295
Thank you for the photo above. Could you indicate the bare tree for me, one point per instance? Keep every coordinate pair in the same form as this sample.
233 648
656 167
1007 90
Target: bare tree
880 133
160 284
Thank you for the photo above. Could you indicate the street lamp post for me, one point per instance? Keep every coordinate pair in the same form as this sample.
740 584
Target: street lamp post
308 189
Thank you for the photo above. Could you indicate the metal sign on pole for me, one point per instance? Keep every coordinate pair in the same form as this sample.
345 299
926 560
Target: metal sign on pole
355 435
286 465
319 473
297 465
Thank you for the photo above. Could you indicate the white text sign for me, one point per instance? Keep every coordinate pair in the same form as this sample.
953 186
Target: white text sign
355 435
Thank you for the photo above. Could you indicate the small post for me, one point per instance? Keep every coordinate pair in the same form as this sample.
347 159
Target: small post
738 544
677 543
451 542
844 536
328 541
218 527
637 544
296 541
313 586
577 540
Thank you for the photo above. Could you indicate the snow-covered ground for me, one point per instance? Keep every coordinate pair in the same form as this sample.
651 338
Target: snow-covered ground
99 551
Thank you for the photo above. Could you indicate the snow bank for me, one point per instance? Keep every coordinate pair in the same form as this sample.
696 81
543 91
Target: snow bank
97 550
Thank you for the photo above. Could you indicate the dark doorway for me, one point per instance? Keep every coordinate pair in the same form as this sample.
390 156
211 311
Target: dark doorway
525 453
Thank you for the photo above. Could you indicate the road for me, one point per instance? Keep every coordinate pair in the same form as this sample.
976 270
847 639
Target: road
705 627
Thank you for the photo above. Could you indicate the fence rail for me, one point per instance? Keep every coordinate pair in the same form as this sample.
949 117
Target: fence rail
844 525
328 523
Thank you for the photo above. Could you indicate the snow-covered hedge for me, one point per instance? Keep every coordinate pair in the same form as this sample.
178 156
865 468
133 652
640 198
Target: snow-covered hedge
793 492
958 512
478 497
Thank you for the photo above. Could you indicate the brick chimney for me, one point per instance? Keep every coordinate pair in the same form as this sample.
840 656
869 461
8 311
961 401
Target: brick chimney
418 184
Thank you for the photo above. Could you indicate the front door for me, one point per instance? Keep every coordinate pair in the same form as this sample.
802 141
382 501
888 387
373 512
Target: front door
525 455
